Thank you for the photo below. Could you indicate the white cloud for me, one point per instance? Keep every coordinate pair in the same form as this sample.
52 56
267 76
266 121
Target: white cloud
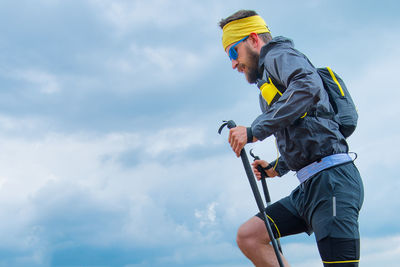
373 87
41 80
41 177
72 189
221 252
173 140
156 69
156 60
208 216
128 16
131 14
9 124
381 251
301 254
167 59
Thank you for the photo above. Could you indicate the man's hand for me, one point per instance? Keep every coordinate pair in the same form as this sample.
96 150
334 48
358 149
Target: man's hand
238 139
270 172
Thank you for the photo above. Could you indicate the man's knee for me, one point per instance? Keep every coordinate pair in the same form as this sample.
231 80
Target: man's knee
243 234
252 233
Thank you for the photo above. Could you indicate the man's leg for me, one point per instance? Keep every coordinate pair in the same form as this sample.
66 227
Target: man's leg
335 217
253 240
339 252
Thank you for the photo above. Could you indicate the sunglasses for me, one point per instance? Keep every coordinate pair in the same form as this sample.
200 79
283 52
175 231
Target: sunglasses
233 55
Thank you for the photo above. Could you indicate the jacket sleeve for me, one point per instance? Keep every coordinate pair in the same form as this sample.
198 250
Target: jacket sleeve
294 72
281 168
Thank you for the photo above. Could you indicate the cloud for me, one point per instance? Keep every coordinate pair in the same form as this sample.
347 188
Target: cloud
381 251
36 79
373 88
173 140
208 216
109 152
68 195
71 191
153 68
11 125
128 16
47 83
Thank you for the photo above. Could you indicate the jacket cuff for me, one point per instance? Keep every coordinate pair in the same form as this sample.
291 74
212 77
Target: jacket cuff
249 135
281 167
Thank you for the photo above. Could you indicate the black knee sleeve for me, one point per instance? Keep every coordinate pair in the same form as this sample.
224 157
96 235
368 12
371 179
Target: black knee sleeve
339 252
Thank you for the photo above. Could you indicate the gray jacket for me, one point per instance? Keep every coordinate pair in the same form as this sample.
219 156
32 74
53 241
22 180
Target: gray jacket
301 141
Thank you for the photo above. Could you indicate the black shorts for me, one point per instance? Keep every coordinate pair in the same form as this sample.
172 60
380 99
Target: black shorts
327 204
334 252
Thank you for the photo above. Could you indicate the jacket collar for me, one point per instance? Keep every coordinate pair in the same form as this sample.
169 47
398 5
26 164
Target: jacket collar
279 40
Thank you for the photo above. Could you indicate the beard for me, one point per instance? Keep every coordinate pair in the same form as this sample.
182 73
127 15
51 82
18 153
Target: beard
253 73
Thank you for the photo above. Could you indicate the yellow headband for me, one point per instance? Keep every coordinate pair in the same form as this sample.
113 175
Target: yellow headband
238 29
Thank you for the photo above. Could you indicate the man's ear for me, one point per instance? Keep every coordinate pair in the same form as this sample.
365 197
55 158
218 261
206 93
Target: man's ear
254 40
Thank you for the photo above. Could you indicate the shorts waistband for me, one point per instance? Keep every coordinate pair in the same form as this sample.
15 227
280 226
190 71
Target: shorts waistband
326 162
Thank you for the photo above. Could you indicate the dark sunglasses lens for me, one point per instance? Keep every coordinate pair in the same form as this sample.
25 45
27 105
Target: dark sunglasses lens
233 54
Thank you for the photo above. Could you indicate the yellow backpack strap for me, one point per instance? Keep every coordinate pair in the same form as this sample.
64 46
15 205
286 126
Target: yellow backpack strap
335 80
269 91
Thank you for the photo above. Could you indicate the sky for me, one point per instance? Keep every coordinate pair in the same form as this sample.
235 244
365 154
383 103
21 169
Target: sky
109 111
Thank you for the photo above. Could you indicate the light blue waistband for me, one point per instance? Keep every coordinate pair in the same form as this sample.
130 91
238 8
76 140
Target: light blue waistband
321 165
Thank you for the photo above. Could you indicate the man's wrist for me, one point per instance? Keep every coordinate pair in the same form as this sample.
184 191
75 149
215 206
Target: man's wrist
269 166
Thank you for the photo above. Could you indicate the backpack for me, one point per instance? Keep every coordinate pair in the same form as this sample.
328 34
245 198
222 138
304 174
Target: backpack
341 101
339 97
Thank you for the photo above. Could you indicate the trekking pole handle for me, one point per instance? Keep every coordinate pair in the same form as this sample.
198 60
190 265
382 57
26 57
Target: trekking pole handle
259 167
230 124
263 177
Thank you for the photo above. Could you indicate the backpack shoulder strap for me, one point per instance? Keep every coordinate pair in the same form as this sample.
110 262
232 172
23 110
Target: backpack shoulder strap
270 90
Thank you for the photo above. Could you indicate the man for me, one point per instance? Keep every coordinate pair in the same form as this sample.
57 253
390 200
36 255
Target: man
328 200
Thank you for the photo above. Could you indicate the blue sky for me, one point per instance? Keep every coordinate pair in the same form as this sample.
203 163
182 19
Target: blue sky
109 109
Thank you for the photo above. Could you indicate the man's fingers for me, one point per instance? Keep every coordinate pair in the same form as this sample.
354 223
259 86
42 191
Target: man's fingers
234 140
233 144
236 146
237 150
256 172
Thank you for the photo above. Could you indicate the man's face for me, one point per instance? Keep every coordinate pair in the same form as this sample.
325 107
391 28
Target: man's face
246 62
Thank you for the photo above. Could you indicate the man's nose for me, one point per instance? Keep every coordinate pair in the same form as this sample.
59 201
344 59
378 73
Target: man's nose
234 63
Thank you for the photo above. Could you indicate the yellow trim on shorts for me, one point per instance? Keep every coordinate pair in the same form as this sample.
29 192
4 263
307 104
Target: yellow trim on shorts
332 262
276 227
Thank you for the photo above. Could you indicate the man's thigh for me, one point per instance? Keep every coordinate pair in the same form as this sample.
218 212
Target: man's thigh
339 252
283 222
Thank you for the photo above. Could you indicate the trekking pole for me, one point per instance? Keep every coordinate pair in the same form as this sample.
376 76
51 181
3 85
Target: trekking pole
264 185
231 124
263 176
